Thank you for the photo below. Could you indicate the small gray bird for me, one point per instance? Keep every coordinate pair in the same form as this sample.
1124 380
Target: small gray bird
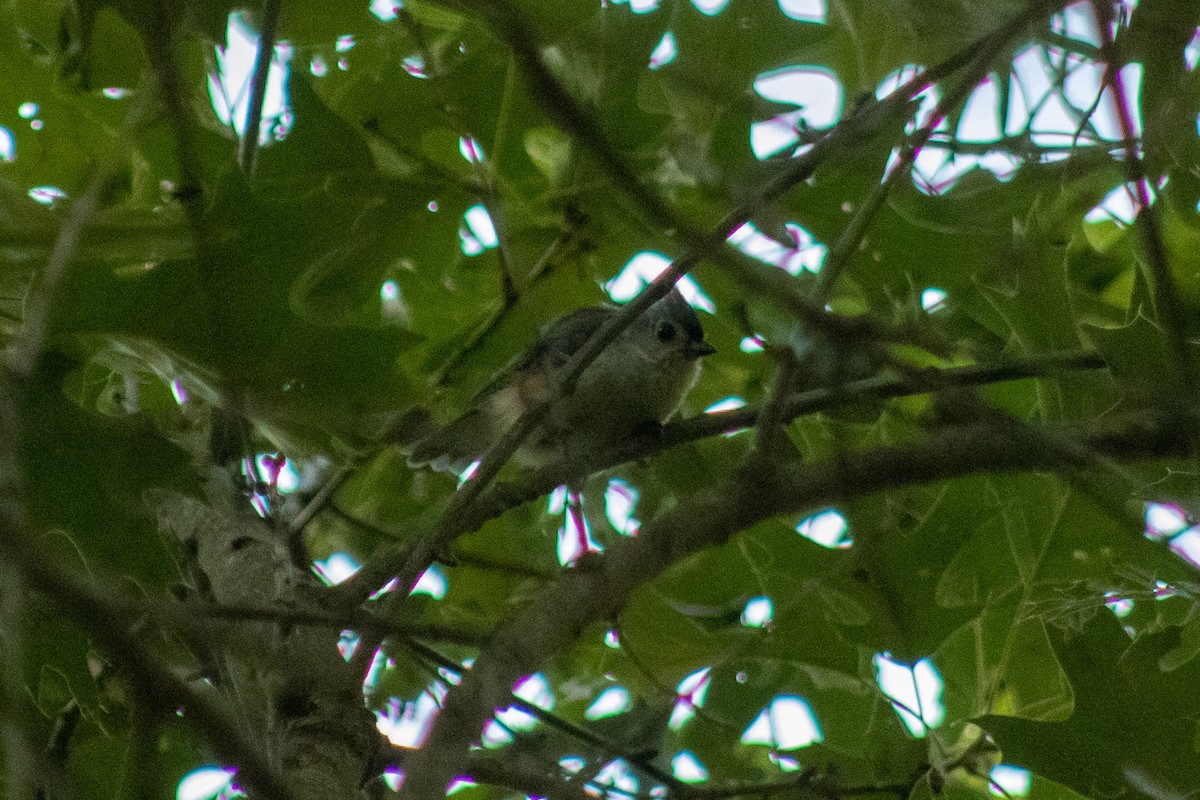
637 382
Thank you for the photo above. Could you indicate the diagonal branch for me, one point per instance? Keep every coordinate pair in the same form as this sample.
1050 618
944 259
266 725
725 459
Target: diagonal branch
850 239
525 642
409 563
1167 302
157 689
248 146
81 213
490 502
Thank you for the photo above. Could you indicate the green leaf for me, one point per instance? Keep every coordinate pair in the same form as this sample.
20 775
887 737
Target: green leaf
1138 357
1124 729
85 475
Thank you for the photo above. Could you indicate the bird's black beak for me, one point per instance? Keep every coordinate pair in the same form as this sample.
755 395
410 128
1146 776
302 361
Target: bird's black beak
699 349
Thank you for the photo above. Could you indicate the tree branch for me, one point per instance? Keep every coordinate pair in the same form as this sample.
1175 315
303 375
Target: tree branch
159 37
772 419
1168 305
580 597
185 615
610 750
491 502
848 242
150 680
27 349
248 146
408 564
805 784
879 387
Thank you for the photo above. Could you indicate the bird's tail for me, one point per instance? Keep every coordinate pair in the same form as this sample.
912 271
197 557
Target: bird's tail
453 447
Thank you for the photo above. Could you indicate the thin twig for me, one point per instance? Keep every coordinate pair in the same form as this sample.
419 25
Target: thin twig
492 319
769 427
183 615
324 496
28 348
1168 305
319 501
848 242
491 200
805 784
485 171
248 146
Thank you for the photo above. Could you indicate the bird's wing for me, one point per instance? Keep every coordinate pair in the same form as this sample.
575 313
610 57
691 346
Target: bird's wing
557 342
454 446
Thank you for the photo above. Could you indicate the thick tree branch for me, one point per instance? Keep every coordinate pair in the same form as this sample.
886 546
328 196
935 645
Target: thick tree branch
582 596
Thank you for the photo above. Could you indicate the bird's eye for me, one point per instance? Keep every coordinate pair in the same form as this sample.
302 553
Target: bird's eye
665 332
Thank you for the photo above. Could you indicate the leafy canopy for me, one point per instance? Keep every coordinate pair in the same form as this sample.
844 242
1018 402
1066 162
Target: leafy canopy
931 537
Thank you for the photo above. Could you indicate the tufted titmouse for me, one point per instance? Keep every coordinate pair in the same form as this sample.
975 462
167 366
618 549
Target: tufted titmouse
639 380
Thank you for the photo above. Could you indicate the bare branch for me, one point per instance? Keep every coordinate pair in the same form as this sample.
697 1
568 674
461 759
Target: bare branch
981 61
248 146
1168 305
